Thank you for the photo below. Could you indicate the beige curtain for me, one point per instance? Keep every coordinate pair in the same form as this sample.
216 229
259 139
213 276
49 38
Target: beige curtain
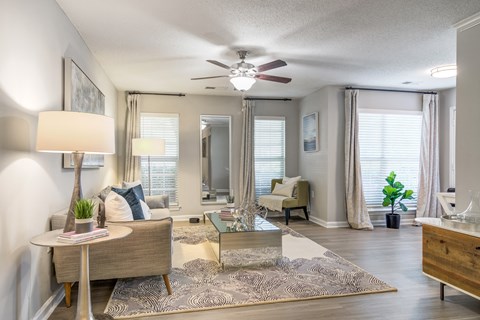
357 213
132 125
247 164
429 173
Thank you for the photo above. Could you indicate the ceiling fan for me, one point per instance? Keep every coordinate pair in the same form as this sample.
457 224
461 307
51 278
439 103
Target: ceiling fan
243 74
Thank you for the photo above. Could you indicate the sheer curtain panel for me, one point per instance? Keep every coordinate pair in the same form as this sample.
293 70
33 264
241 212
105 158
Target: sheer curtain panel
132 130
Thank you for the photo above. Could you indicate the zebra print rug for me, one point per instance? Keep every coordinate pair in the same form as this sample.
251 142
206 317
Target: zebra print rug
306 271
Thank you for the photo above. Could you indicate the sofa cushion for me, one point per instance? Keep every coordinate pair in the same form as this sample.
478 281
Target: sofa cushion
117 208
133 201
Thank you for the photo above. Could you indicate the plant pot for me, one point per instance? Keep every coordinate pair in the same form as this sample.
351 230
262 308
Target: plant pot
230 205
83 225
393 220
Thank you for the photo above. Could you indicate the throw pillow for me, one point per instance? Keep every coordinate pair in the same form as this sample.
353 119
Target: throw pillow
285 190
146 210
294 181
137 187
117 208
156 202
104 193
133 201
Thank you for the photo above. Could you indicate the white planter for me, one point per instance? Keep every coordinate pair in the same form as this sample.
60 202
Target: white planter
231 205
83 225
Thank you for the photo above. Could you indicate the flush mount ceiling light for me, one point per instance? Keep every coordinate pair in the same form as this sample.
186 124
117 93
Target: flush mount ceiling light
242 82
444 71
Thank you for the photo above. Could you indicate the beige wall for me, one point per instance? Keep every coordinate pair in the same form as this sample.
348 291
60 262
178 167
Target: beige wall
446 101
189 109
468 115
35 36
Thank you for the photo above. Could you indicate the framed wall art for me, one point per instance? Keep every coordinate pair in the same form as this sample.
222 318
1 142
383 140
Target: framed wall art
310 132
81 95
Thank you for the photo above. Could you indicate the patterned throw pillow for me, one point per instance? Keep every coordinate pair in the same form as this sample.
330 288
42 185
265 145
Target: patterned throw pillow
133 201
137 187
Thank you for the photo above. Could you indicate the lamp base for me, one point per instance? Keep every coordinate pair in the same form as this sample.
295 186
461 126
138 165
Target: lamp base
77 191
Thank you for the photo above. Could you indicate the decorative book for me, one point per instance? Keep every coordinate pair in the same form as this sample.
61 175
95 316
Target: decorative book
72 237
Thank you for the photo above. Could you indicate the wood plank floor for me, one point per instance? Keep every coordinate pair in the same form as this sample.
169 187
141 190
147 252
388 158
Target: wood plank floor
392 255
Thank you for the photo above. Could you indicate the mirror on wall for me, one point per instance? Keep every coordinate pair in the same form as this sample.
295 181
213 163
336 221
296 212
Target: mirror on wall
215 144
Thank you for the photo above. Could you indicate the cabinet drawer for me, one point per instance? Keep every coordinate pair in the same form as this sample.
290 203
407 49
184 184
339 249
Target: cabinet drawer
452 257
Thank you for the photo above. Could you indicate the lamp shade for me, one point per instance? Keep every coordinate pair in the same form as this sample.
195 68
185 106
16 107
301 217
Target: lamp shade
68 131
444 71
242 82
148 147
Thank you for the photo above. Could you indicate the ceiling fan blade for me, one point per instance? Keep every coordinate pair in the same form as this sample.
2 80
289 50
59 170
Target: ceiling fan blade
221 65
209 77
273 78
271 65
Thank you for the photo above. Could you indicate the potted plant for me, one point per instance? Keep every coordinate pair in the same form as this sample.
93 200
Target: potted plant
83 216
230 201
394 195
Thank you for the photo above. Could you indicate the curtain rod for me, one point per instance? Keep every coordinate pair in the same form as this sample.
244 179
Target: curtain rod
157 93
390 90
268 99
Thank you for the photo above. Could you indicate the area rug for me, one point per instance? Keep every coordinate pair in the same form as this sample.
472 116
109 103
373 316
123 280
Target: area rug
306 271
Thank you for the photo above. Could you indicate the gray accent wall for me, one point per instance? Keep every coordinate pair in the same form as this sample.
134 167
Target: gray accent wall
34 39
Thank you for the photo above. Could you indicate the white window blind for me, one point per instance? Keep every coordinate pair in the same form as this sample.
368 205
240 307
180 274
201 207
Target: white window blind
389 142
163 169
269 152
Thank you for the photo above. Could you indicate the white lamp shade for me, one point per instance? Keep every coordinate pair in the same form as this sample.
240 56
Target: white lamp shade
242 83
444 71
68 131
148 147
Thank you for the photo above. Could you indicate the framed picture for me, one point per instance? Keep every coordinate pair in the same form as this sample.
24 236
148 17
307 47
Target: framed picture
81 95
310 132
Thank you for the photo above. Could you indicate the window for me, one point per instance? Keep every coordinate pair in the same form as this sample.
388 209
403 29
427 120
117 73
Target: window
163 169
269 152
389 142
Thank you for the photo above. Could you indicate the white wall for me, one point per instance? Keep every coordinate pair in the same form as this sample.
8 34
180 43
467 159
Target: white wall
189 109
468 115
446 100
35 36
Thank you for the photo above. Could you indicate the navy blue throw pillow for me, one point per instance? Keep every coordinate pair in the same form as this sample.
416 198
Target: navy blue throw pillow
139 192
133 201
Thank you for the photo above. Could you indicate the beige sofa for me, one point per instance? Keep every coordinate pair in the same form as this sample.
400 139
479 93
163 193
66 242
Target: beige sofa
147 251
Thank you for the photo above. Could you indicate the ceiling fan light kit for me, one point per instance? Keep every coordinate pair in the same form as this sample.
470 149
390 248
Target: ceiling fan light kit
242 83
243 75
444 71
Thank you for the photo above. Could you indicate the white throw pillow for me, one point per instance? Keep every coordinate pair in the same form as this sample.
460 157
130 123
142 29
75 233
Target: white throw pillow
146 210
285 190
128 185
294 181
117 208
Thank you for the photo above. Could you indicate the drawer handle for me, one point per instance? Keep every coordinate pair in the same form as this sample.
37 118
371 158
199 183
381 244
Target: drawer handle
477 248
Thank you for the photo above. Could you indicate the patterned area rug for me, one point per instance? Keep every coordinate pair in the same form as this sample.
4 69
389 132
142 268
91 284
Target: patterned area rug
306 271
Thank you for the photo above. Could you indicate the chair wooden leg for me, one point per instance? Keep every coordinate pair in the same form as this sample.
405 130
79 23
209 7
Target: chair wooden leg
287 215
68 293
306 212
167 283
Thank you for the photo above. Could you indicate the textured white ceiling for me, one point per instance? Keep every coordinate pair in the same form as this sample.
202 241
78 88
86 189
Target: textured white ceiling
158 45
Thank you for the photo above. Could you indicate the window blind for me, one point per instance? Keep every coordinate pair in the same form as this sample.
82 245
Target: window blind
163 169
269 152
389 142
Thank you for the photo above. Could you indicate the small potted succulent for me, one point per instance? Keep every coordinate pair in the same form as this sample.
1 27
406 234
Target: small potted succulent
230 201
83 216
394 195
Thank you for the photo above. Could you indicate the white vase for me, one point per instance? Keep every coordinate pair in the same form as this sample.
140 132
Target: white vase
83 225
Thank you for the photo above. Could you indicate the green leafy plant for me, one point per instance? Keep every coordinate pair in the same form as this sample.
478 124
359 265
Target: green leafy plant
394 194
84 209
230 199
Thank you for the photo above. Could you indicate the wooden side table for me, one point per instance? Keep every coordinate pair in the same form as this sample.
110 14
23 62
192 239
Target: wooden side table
49 239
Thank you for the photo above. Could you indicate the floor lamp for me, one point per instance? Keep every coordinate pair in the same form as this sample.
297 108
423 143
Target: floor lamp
76 133
148 147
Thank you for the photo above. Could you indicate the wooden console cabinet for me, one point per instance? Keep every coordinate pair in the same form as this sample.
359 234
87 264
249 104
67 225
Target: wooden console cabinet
452 258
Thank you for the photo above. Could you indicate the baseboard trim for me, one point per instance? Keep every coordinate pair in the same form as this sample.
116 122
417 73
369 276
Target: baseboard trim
329 224
187 217
49 306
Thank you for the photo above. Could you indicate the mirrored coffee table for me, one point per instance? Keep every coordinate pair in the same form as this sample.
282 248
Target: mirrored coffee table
260 244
